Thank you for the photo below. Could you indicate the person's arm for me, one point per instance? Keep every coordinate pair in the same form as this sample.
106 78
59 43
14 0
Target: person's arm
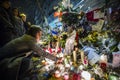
41 52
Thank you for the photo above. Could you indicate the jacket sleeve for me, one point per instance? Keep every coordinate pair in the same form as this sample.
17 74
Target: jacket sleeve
41 52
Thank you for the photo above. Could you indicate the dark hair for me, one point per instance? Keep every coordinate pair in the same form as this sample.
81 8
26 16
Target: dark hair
15 8
33 31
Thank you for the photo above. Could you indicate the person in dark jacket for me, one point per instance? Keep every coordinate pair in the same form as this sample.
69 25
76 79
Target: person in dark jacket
23 44
19 23
7 23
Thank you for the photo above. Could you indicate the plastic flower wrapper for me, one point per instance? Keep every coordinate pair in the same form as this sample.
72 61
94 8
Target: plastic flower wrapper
81 67
116 59
69 45
61 67
86 75
60 55
66 3
49 64
103 58
98 71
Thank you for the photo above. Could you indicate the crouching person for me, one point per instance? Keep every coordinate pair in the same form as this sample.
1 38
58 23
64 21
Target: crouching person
27 43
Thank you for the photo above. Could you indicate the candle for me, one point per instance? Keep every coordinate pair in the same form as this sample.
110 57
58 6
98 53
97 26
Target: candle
82 56
74 56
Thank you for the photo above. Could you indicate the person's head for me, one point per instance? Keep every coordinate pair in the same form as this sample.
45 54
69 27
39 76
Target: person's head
15 11
5 3
23 17
35 32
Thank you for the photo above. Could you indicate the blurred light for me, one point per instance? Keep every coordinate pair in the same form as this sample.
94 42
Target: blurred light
77 5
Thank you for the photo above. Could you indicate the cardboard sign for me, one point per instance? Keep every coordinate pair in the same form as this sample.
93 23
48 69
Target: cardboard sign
93 57
86 75
116 59
98 26
98 14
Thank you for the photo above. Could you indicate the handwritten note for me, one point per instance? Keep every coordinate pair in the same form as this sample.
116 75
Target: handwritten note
116 59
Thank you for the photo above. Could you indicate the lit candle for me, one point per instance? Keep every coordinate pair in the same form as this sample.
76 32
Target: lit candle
82 56
74 56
